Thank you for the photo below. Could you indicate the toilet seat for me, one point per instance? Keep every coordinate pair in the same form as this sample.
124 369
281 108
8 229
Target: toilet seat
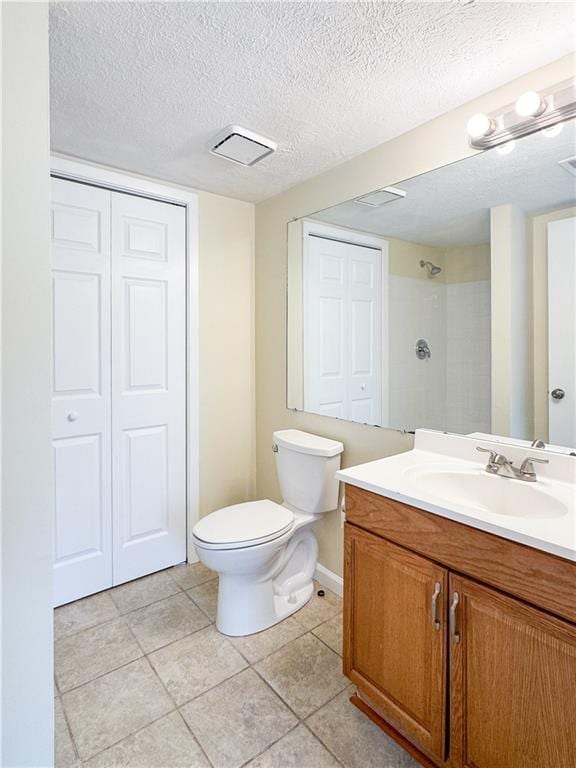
243 525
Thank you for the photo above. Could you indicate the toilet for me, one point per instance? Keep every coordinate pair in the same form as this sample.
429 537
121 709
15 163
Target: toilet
265 553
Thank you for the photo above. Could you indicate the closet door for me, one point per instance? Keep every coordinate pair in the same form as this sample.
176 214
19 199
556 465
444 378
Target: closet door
81 389
148 385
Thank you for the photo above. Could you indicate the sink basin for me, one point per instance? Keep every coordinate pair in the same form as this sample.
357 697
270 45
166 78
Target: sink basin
489 493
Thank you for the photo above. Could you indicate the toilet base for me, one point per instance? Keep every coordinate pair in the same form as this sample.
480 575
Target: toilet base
250 601
235 622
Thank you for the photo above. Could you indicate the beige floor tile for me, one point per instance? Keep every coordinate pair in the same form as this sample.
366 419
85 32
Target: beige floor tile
93 652
331 633
298 749
305 673
237 720
64 751
206 596
141 592
196 663
112 707
164 622
319 609
189 576
84 614
256 647
167 743
354 739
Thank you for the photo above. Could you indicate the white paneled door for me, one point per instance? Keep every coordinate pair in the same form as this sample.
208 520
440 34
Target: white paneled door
562 332
148 385
81 390
342 330
119 402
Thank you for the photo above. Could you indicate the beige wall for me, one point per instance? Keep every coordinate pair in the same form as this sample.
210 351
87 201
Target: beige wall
26 674
467 263
430 146
538 239
226 290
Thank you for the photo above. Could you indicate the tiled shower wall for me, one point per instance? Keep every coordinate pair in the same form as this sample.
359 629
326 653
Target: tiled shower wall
451 389
468 375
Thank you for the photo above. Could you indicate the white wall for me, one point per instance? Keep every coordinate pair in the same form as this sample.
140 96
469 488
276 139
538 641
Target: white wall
512 378
27 535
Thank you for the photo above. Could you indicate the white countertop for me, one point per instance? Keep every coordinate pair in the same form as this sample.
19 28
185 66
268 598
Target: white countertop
395 478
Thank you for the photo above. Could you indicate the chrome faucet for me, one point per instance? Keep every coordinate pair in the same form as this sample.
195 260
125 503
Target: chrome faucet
499 465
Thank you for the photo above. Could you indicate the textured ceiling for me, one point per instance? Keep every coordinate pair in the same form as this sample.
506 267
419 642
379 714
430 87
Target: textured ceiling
144 86
451 206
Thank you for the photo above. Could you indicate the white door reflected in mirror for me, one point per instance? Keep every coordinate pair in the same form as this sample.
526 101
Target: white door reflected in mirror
562 331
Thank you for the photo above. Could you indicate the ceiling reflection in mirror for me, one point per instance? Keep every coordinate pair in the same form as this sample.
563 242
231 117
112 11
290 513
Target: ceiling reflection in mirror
438 301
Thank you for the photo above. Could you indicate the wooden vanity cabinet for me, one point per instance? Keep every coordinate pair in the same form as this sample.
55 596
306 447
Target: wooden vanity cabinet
512 683
470 676
399 648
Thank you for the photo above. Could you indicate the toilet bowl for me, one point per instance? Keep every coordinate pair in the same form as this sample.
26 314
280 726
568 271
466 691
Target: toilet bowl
265 553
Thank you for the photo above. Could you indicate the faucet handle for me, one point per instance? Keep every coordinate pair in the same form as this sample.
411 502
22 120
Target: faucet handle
493 454
527 466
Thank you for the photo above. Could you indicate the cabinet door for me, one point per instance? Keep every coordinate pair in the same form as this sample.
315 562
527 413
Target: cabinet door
513 682
395 641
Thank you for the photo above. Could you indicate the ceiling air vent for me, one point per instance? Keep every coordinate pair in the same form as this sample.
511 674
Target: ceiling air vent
239 145
569 165
381 196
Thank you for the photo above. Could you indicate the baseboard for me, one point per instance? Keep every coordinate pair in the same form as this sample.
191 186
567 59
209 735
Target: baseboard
329 579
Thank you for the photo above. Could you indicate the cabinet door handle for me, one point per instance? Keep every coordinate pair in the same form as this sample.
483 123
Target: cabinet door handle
435 596
453 617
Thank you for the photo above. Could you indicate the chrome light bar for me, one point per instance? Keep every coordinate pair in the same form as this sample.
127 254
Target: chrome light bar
532 112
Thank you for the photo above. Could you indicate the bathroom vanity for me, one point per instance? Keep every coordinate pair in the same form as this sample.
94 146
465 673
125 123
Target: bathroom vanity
460 623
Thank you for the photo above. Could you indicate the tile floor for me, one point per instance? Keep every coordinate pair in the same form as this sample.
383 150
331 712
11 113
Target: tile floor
144 680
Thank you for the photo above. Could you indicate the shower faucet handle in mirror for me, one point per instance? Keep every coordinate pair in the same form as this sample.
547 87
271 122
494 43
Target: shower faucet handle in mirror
422 349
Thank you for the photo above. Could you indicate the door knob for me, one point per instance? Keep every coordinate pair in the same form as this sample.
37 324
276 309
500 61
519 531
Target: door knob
557 394
72 416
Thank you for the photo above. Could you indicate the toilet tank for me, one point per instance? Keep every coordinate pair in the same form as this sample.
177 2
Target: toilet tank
306 465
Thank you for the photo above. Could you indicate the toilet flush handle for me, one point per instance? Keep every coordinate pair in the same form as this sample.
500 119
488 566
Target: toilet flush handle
274 448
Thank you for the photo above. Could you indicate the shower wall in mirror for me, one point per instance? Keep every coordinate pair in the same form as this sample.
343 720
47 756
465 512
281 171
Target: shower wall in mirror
425 304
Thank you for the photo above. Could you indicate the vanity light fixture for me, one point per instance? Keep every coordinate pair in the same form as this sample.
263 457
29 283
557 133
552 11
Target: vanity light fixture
506 148
554 130
530 104
480 125
533 111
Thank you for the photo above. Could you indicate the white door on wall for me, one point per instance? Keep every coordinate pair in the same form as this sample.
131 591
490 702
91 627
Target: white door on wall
81 394
342 330
148 385
119 390
562 332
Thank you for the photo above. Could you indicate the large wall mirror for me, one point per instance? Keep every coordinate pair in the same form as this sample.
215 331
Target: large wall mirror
446 300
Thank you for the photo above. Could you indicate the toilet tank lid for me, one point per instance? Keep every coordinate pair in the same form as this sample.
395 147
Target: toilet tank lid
304 442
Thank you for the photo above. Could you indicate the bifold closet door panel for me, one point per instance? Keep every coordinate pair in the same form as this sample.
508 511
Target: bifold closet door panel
148 385
81 394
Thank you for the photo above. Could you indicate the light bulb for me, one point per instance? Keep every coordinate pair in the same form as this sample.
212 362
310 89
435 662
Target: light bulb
530 104
505 149
553 130
479 126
